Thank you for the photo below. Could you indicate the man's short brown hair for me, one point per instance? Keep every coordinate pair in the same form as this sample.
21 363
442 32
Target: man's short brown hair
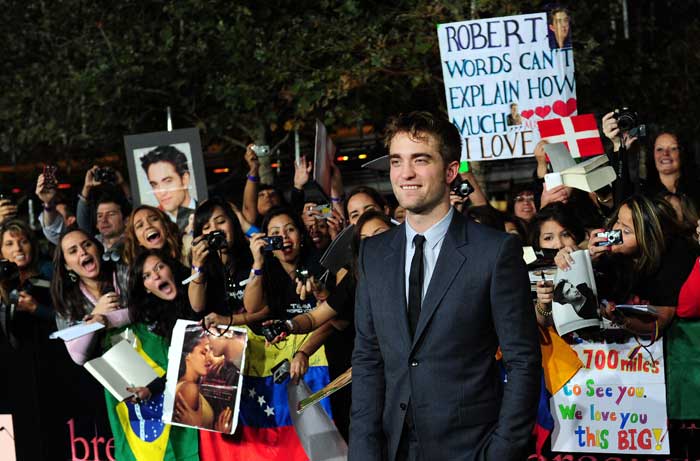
417 124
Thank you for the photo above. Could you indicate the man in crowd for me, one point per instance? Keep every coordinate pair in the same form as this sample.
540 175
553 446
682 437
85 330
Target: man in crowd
108 204
426 383
169 176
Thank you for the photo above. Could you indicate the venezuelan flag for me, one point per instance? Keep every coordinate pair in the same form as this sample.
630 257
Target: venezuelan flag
265 429
559 364
139 433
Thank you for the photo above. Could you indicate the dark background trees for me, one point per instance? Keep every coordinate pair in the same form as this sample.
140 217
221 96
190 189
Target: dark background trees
77 75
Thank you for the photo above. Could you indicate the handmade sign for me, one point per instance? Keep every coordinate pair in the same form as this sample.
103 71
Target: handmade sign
501 76
615 403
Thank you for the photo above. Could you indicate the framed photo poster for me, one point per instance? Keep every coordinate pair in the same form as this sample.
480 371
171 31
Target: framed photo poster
166 169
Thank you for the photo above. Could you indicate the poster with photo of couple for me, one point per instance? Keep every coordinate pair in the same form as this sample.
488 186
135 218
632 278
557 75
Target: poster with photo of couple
204 379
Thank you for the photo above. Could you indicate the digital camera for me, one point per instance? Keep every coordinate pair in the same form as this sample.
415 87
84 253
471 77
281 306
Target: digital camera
261 151
8 270
105 175
273 243
628 122
216 240
280 372
613 237
324 211
273 330
461 187
302 274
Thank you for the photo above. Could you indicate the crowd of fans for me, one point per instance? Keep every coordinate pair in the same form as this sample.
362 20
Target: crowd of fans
118 266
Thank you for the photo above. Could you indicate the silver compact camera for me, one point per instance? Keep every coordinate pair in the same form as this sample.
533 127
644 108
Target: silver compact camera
261 151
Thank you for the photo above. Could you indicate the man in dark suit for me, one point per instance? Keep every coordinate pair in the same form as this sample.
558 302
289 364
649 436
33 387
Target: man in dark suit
436 298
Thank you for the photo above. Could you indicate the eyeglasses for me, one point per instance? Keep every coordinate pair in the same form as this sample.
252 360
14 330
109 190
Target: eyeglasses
525 198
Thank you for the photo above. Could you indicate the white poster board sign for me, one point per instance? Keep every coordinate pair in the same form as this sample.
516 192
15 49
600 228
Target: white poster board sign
501 76
615 403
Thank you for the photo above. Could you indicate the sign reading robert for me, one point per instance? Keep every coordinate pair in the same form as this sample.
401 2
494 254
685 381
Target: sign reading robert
168 174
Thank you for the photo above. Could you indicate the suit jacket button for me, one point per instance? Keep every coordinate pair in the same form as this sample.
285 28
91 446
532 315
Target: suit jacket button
403 406
414 363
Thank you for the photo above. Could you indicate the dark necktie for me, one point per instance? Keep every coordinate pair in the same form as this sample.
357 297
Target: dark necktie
415 283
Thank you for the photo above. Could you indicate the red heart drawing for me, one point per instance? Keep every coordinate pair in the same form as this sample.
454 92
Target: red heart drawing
527 113
564 109
542 111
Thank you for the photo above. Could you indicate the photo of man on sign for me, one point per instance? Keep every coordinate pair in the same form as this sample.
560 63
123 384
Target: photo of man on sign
559 23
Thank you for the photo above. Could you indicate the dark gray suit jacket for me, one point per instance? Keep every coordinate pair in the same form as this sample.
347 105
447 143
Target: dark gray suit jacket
478 299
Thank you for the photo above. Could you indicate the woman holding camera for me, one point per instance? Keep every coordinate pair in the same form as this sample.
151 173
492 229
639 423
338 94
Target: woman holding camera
649 266
282 257
221 263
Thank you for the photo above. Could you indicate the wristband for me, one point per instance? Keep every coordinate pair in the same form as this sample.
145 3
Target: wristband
256 272
336 199
252 230
48 207
196 269
252 178
302 352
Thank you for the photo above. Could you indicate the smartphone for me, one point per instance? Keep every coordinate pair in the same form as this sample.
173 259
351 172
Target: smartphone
273 243
50 181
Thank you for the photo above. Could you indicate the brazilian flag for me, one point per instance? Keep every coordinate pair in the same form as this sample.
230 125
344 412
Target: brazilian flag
139 433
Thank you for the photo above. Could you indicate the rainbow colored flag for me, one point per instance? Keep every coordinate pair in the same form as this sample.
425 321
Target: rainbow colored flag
139 433
265 430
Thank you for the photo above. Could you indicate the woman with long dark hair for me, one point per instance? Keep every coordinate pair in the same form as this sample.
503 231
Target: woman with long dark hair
221 263
274 276
156 300
85 288
554 227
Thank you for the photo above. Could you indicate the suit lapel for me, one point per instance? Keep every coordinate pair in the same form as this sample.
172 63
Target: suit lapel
446 269
394 264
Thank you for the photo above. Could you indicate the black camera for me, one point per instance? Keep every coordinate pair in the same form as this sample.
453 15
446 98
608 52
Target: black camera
105 175
628 122
614 237
280 372
273 330
8 270
273 243
461 187
302 274
216 240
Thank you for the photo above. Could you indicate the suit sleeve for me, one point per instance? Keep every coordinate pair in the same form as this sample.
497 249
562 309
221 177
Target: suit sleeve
366 435
516 327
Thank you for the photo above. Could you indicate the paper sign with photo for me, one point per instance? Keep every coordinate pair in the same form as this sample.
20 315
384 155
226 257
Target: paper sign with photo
575 303
204 376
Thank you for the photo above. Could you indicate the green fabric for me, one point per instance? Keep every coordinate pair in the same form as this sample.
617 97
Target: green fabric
682 340
182 443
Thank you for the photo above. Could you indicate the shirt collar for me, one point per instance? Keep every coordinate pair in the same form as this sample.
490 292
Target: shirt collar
435 233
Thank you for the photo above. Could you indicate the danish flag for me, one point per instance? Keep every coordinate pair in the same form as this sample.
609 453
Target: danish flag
580 133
